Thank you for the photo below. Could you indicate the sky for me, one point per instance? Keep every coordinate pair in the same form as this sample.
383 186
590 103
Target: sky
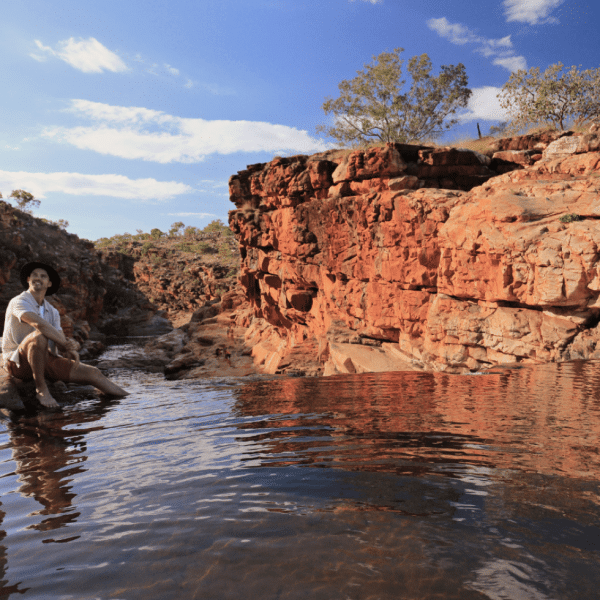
121 115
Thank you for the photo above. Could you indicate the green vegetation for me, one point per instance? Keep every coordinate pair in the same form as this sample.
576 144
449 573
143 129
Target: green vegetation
375 107
569 218
199 248
26 202
217 226
176 229
146 246
552 98
215 243
190 232
60 223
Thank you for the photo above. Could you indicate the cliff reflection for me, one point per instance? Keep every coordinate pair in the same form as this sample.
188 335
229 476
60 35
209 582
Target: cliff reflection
542 419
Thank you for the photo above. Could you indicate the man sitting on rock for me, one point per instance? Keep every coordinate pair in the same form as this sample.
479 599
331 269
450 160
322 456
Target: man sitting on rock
32 332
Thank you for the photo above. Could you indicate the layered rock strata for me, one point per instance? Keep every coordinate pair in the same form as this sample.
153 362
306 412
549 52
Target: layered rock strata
353 258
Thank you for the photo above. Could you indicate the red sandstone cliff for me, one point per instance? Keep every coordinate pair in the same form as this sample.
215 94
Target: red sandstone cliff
407 257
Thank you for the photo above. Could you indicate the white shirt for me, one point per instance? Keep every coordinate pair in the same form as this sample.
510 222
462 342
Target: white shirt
15 330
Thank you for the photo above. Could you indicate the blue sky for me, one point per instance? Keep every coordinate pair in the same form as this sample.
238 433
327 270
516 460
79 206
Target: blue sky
125 115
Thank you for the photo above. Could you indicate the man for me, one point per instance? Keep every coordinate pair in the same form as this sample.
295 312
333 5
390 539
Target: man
32 332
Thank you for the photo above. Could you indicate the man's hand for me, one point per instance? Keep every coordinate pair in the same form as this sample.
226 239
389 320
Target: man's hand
71 349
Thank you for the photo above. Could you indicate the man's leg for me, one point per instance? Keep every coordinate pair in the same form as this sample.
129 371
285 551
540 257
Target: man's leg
89 375
35 348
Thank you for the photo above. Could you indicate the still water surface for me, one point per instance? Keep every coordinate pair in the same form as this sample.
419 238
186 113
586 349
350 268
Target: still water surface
377 486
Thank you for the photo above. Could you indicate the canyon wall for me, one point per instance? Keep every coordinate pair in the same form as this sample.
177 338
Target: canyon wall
174 280
408 257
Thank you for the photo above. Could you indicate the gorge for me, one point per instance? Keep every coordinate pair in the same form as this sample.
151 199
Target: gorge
392 258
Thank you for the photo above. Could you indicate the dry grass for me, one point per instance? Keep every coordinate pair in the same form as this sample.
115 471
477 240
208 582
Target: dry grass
484 145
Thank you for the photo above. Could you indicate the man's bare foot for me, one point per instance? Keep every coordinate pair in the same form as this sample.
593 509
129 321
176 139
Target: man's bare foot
113 390
46 399
110 388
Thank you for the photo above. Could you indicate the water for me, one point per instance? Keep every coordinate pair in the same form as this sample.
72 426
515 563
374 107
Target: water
378 486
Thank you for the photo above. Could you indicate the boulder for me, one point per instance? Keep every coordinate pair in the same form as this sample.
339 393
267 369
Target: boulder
520 157
577 144
373 162
354 358
9 392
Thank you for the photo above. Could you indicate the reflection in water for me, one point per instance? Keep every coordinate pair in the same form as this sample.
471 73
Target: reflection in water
537 420
49 450
47 457
379 486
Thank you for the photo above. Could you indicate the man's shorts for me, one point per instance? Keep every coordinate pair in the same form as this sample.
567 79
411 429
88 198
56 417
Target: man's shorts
57 368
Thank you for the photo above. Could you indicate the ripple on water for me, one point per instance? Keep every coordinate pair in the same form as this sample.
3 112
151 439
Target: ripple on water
395 485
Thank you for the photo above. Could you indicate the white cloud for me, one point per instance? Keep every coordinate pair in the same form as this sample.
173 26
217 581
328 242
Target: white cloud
200 215
39 57
484 106
370 1
512 63
491 47
531 11
454 32
501 48
159 69
89 56
118 114
141 133
117 186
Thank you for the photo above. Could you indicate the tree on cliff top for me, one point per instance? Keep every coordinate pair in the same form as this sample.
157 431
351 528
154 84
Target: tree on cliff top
25 200
373 106
553 97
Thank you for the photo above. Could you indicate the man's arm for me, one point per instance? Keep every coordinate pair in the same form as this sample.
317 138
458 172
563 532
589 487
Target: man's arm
57 336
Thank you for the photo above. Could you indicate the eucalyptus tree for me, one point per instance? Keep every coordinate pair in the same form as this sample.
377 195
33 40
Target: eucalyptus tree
25 200
378 105
555 97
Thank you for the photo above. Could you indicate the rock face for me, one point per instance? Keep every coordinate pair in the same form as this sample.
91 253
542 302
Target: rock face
174 278
407 257
182 283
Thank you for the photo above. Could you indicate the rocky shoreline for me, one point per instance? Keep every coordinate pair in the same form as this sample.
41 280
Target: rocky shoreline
132 292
